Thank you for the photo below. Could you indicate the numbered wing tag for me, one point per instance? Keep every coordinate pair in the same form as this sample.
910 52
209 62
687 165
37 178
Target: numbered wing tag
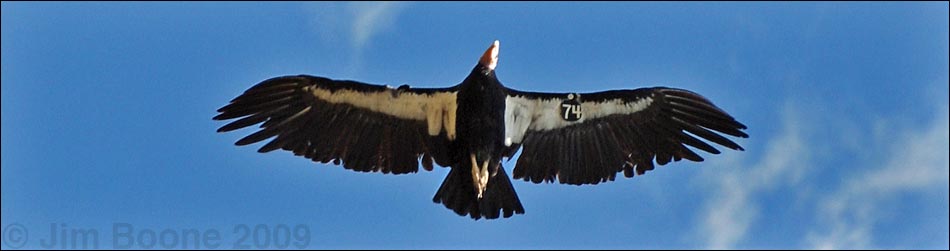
571 108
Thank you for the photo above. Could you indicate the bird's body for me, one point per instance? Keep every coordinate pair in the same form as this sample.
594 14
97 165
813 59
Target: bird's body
574 138
480 124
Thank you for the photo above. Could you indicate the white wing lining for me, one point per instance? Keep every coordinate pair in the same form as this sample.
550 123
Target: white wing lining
524 113
437 109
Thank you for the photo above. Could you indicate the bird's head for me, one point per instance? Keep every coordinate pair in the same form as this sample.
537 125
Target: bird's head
489 59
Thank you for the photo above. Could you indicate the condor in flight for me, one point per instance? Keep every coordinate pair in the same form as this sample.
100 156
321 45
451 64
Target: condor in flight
573 138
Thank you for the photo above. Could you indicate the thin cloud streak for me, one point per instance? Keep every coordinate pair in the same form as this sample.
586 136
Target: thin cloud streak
371 18
732 210
919 164
353 25
913 160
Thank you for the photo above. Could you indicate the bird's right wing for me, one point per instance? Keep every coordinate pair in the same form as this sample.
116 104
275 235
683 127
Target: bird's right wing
367 127
587 138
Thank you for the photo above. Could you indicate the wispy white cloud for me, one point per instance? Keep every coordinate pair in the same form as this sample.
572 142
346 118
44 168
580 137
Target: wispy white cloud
370 18
353 25
904 160
728 217
918 163
354 22
731 211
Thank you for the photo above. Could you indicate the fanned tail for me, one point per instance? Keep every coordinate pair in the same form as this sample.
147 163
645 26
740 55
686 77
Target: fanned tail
458 194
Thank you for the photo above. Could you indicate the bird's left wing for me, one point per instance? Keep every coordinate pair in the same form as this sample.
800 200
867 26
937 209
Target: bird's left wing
367 127
588 138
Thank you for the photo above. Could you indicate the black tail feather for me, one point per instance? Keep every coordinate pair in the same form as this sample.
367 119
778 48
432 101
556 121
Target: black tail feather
458 194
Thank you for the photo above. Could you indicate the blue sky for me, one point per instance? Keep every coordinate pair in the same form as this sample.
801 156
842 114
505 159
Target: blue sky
106 118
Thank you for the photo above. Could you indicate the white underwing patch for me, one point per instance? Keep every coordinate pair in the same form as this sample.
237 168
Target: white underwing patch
523 114
517 118
436 109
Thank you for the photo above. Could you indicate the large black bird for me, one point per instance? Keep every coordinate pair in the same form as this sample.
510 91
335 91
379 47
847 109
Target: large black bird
574 138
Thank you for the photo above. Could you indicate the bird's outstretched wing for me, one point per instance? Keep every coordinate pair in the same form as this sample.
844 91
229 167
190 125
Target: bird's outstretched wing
588 138
368 128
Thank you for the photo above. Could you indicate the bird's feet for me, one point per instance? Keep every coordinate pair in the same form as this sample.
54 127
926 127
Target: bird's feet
479 176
